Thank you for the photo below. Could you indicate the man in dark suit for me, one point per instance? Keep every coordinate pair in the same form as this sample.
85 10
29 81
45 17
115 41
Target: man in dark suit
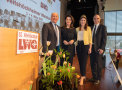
99 36
51 33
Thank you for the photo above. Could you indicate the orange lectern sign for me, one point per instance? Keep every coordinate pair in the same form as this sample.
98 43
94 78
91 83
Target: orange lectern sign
17 70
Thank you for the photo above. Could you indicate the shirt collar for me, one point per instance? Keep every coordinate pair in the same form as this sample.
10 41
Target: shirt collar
96 25
53 24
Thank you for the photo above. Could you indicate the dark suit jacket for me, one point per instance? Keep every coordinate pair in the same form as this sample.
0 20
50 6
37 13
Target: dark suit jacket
48 34
101 37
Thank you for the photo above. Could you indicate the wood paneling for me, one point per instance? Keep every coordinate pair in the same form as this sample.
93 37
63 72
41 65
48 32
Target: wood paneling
15 70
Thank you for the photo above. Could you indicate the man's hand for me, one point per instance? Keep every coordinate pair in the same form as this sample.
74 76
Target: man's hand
100 51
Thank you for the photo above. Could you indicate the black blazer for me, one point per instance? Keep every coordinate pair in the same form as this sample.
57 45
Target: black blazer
101 37
48 34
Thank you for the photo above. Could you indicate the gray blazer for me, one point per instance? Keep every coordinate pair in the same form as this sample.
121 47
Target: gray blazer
48 34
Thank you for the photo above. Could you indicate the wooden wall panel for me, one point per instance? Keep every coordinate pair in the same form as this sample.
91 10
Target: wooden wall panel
16 69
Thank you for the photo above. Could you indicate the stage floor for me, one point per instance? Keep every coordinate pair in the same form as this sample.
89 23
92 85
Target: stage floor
107 81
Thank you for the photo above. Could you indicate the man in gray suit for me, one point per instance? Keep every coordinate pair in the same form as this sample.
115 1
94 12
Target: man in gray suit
51 33
99 37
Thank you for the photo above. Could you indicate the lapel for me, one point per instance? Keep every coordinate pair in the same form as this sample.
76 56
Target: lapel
98 29
52 28
92 27
59 30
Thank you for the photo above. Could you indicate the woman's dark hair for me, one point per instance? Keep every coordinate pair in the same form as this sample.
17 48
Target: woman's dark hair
72 21
83 16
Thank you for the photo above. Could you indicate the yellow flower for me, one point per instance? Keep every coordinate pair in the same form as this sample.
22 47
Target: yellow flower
48 43
73 68
63 55
48 74
53 66
78 76
51 54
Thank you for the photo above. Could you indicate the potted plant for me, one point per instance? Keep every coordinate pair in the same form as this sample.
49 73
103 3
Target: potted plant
56 77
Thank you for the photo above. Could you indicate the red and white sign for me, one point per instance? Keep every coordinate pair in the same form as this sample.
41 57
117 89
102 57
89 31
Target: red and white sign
27 42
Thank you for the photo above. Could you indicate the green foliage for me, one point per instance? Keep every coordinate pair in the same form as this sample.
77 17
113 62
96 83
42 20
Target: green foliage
53 74
30 87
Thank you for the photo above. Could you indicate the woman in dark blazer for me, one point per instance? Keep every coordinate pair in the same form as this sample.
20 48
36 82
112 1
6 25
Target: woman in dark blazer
69 36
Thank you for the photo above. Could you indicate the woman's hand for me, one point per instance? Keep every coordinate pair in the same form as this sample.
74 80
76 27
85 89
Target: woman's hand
89 51
71 42
65 42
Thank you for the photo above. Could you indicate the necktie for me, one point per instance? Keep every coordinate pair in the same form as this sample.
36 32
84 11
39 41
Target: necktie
56 31
94 38
57 35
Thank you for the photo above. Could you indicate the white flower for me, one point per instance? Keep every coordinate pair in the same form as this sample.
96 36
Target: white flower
50 52
65 63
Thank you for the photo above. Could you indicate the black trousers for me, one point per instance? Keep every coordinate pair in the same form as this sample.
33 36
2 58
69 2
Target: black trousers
96 64
82 53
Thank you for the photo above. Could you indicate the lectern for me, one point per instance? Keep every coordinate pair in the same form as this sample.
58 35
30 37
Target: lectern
18 67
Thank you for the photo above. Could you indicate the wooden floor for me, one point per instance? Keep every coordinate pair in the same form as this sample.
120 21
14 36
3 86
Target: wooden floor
107 81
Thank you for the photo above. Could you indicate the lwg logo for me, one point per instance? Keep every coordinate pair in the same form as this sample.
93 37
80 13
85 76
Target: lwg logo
27 42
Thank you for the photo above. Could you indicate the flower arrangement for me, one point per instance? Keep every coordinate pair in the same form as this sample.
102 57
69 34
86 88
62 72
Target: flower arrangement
55 76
